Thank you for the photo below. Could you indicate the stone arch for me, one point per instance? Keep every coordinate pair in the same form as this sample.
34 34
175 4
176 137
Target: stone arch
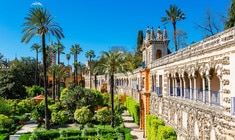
215 89
170 84
199 87
186 86
158 54
177 83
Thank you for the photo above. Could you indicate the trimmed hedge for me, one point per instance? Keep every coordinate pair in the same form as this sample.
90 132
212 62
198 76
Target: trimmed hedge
4 136
156 129
166 133
25 136
104 134
133 108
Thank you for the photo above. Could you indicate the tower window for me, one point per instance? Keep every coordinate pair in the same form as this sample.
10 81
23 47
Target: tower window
158 54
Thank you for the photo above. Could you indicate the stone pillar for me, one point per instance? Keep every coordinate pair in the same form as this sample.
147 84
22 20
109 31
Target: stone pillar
180 87
184 83
169 85
190 88
209 90
194 88
173 86
203 90
221 92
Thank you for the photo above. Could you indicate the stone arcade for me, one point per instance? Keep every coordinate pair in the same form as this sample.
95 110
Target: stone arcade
192 90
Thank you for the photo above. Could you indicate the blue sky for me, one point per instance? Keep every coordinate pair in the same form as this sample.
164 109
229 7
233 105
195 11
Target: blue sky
101 24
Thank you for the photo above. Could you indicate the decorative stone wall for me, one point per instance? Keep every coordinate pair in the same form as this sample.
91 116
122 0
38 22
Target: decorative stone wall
192 121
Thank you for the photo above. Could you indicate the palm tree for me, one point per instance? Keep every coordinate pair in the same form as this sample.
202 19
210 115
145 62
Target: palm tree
40 22
174 15
68 58
60 48
114 62
90 54
36 47
75 50
57 71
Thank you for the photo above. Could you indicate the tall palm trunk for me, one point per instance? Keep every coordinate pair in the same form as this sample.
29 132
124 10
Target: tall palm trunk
76 70
58 85
53 86
176 46
90 72
36 69
45 82
112 99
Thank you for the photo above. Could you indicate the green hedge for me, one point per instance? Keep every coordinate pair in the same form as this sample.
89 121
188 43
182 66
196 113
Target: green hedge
105 134
166 133
156 129
25 136
133 108
4 136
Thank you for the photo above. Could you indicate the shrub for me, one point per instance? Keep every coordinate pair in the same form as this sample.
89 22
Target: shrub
4 136
83 115
4 107
5 122
34 90
59 117
103 115
166 133
25 136
26 106
55 107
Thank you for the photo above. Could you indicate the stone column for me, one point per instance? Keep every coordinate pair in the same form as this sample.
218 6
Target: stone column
203 90
194 88
169 85
209 89
180 87
184 83
190 87
175 85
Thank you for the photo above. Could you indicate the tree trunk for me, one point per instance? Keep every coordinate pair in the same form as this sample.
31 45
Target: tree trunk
36 69
45 82
53 86
176 46
112 99
58 85
90 71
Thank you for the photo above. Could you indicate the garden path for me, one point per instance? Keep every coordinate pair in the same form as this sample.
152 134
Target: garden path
29 127
129 123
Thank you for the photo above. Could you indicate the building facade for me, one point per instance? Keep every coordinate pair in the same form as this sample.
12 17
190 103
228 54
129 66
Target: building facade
192 90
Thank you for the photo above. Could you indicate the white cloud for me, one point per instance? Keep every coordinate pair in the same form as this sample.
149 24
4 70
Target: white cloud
36 4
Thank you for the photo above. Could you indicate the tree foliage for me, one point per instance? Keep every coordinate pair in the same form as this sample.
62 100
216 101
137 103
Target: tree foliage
231 21
174 14
14 79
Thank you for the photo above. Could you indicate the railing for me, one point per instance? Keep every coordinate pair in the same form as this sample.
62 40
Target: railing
214 95
158 90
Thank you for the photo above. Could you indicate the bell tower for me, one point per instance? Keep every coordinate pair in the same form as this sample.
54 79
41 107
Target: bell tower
154 46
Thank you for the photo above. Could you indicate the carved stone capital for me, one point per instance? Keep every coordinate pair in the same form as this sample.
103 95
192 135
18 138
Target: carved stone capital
225 82
226 72
226 91
225 60
227 100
